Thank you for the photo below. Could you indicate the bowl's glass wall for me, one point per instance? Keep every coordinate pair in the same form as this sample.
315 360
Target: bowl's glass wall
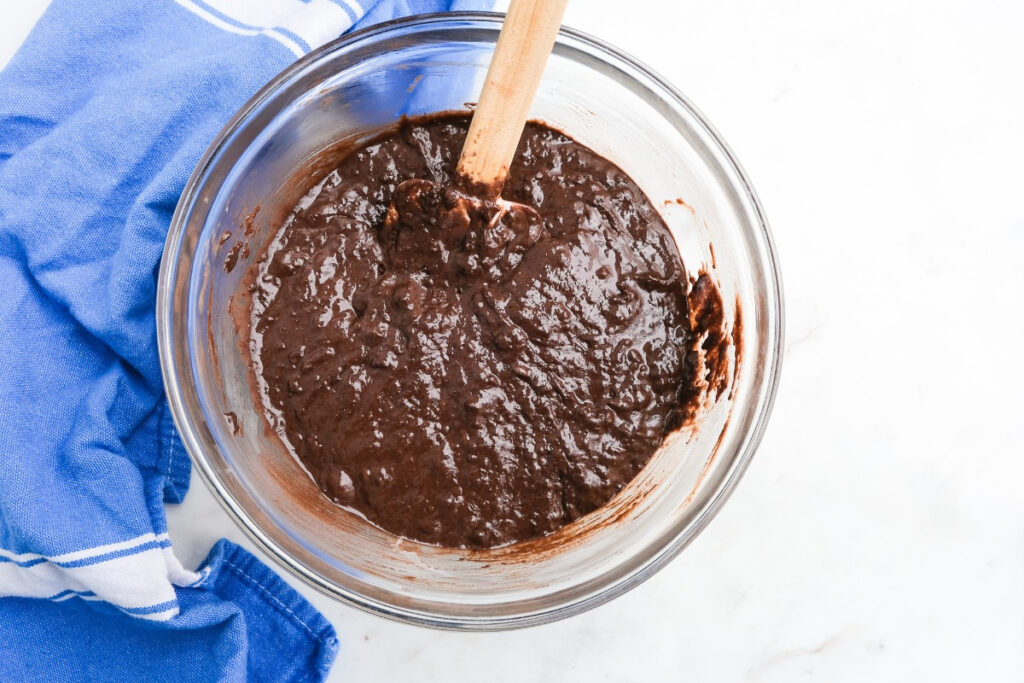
347 91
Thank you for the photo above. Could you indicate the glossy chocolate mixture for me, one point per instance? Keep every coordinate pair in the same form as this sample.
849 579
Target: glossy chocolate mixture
465 372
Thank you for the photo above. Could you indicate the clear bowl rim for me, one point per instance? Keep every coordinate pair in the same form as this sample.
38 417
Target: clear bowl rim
173 386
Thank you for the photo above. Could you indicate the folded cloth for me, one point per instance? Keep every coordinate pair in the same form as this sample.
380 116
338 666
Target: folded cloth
104 112
240 622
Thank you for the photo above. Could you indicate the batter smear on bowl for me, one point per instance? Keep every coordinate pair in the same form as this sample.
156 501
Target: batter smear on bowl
471 373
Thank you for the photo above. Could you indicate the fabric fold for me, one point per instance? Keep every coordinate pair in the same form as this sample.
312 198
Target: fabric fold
238 622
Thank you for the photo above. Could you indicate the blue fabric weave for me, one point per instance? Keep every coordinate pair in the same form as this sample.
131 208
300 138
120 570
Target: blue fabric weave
241 623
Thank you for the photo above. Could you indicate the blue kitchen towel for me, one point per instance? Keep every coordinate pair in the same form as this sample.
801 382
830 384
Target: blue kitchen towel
104 112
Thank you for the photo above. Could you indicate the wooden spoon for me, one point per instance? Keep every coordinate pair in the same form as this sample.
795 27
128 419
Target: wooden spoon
427 217
526 40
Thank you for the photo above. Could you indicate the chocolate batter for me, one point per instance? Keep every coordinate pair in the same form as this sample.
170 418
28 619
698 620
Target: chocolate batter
466 372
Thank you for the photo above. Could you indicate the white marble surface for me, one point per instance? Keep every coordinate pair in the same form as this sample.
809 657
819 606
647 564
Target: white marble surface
879 533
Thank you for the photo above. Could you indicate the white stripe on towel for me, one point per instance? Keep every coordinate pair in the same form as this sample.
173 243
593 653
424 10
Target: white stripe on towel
299 25
79 555
139 583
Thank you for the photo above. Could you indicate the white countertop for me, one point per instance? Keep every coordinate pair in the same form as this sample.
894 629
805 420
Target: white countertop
879 533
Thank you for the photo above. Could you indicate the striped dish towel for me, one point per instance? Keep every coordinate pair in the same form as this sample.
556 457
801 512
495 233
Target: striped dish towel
104 112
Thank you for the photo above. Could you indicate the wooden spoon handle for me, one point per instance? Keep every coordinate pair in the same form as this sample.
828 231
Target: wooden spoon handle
524 44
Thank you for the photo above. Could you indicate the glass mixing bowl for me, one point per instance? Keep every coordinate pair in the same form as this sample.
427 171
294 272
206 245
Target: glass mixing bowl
347 90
